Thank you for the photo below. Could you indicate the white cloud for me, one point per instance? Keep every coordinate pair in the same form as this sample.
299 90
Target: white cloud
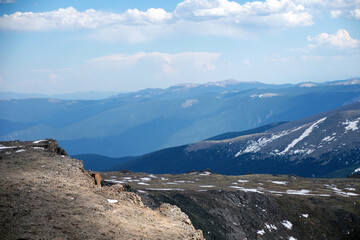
329 4
349 14
349 9
199 17
354 14
69 18
336 8
282 13
152 15
336 13
201 61
341 39
209 17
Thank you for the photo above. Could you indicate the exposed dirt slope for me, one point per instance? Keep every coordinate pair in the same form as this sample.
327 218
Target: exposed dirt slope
45 195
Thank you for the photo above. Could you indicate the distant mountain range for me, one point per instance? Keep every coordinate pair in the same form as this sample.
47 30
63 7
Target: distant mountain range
323 145
132 124
92 95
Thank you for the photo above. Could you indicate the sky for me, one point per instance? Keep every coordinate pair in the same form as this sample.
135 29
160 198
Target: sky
54 47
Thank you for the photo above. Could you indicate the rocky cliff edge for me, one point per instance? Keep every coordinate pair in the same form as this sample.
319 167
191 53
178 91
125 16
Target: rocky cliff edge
45 194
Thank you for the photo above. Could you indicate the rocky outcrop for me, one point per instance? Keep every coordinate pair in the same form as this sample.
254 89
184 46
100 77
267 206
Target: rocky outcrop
174 212
45 194
50 145
97 178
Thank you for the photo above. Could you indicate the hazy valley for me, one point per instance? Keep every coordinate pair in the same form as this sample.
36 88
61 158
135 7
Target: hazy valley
131 124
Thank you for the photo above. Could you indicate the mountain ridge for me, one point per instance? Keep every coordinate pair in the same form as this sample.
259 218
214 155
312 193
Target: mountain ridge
314 146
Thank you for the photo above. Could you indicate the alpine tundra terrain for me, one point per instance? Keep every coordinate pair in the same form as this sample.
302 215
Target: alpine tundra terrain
323 145
135 123
45 194
254 206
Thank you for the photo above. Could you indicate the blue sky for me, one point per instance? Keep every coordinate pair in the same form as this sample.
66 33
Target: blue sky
52 47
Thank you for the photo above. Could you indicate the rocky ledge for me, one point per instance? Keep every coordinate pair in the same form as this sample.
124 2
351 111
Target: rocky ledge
45 194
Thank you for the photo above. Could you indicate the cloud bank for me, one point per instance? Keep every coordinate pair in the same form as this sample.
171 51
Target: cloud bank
282 13
214 17
206 17
200 61
341 39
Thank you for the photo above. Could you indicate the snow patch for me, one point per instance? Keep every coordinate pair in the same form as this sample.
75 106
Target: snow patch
223 83
328 139
261 232
308 85
145 179
305 215
38 148
112 201
207 186
348 82
292 238
142 183
339 192
185 85
246 189
255 146
303 135
270 227
205 173
183 181
189 103
21 150
298 192
113 181
279 182
302 151
3 147
39 141
287 224
265 95
51 100
351 125
170 183
164 189
302 192
242 181
141 191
